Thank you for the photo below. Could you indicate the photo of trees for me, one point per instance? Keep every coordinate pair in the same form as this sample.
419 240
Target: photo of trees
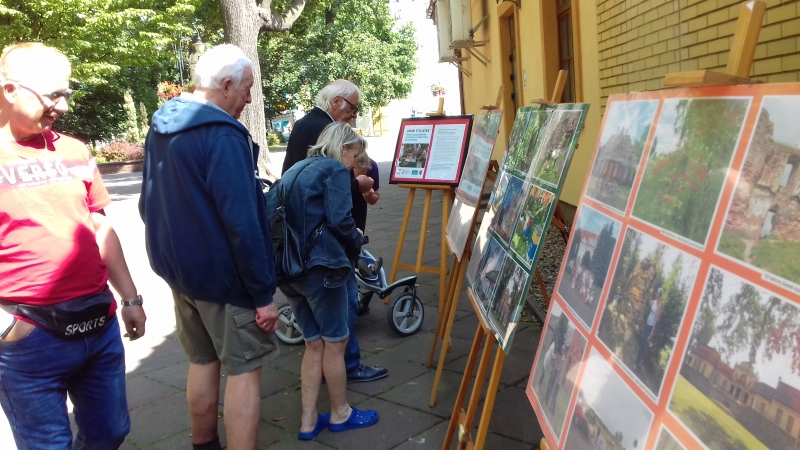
531 223
646 303
522 144
488 272
688 162
739 383
508 297
556 145
607 414
762 228
556 370
594 239
508 209
622 141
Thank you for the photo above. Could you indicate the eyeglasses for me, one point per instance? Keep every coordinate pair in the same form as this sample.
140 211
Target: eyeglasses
355 108
54 96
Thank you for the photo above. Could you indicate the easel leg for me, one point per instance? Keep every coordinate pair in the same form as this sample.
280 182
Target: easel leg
462 390
542 287
443 260
491 393
443 312
424 230
401 238
451 314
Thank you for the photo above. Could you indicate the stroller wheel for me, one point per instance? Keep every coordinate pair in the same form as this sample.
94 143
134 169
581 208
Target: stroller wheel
405 314
288 332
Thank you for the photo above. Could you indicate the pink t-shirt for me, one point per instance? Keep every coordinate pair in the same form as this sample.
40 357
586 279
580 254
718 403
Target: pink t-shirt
49 185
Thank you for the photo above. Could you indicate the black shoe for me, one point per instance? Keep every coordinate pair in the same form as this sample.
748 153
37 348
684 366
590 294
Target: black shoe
363 373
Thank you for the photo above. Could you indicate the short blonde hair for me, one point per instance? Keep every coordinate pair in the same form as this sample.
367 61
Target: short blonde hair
362 160
31 58
333 137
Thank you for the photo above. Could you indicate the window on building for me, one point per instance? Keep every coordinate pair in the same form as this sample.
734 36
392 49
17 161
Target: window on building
566 49
789 424
778 416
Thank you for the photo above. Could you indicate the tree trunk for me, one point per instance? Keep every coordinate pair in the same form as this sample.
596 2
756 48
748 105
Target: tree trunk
242 26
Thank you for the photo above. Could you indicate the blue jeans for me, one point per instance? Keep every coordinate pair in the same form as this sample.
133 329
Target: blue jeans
38 371
319 305
352 353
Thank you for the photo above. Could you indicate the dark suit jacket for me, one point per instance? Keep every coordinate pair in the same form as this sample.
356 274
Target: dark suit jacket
305 133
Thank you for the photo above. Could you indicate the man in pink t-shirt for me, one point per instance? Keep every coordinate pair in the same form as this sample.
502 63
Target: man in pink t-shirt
58 330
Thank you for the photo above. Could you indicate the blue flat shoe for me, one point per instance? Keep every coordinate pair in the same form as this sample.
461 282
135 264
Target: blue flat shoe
322 423
357 419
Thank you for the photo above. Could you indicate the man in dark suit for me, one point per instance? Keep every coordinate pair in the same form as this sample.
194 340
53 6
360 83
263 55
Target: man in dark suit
337 102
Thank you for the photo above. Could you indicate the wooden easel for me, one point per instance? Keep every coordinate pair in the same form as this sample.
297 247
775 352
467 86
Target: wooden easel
446 201
447 306
461 419
740 61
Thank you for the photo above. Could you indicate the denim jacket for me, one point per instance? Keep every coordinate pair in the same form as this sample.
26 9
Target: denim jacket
321 195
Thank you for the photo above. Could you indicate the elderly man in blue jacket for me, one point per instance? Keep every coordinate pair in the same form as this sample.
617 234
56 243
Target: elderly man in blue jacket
206 236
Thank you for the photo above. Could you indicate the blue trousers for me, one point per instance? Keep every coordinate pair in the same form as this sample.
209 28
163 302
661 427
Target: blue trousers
38 371
352 353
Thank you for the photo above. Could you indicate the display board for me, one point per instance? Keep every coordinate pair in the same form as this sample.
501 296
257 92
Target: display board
675 321
431 150
543 139
468 193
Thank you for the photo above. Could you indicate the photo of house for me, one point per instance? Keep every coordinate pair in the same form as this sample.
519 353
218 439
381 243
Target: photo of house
739 383
627 126
588 261
762 228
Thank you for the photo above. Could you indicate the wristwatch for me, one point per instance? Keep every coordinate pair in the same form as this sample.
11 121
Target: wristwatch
133 302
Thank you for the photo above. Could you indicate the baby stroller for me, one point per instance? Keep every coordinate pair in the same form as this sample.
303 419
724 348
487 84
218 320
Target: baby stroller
405 314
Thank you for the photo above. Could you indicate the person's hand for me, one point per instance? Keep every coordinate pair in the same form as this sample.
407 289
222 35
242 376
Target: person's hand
360 231
364 183
133 317
268 317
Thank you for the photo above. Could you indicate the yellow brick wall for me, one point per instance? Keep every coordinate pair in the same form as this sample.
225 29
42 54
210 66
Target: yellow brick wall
640 41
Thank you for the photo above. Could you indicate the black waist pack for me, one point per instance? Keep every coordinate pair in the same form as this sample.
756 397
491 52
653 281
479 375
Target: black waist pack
72 319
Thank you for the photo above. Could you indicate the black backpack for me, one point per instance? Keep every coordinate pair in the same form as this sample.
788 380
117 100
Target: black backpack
288 255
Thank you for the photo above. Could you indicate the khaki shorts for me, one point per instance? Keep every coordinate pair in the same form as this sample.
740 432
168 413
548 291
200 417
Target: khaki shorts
211 332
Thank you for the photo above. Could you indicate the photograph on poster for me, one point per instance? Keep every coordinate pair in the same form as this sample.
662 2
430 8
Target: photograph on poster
622 142
594 238
688 162
555 145
471 185
599 421
488 272
646 303
666 441
508 209
508 297
553 379
478 249
531 224
498 191
459 225
739 383
762 227
414 155
523 146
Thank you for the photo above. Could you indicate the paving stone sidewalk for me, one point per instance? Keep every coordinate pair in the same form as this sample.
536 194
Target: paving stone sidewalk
157 367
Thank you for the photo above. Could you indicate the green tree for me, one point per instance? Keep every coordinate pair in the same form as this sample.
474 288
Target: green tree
601 259
357 40
673 303
705 325
575 245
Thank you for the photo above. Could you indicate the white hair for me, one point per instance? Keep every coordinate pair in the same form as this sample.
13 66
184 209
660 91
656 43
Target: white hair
220 62
339 88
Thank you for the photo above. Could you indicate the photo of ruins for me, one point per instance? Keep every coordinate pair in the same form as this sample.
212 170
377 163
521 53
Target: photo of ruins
624 135
739 383
556 145
762 228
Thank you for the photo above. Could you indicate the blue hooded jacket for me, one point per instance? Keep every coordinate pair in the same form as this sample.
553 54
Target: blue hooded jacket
203 210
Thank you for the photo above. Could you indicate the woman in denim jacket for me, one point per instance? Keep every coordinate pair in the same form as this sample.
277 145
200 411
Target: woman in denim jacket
320 201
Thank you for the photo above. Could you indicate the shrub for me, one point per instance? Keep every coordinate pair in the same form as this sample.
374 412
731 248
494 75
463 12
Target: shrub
272 139
120 151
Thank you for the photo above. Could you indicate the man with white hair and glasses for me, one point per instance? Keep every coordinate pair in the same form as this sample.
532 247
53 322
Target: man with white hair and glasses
58 332
207 236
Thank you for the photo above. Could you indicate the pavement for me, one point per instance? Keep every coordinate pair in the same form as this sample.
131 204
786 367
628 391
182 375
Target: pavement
157 366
